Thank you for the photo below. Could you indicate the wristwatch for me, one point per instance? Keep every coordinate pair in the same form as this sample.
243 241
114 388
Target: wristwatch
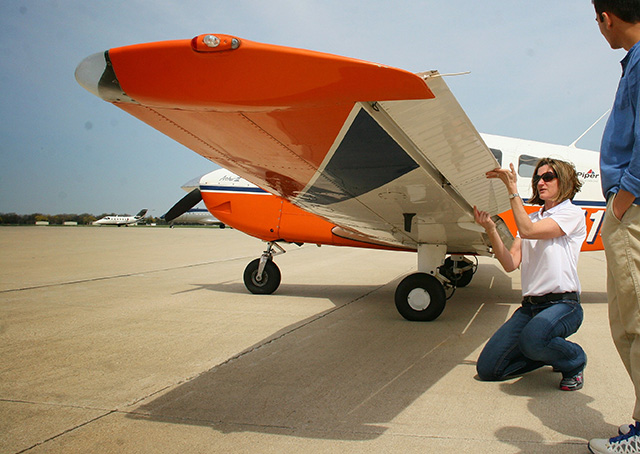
514 195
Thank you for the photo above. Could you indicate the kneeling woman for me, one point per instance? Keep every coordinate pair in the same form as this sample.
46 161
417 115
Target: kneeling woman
547 248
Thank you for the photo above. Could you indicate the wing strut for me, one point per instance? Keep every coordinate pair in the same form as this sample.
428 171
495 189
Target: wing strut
573 145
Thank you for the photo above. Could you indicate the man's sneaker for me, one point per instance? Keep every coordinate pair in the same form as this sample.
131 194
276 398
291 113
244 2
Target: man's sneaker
573 383
628 443
625 428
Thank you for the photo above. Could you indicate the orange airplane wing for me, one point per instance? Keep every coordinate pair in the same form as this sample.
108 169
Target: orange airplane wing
381 152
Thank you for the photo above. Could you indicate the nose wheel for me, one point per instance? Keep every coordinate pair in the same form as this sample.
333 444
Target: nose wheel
264 283
262 276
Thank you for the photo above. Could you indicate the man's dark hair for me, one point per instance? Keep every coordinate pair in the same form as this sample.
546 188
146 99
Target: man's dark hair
627 10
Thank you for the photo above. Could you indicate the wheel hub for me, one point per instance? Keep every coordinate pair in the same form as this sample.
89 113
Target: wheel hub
419 299
259 279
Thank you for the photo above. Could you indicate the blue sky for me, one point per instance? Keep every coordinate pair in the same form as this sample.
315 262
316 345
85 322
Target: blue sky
539 70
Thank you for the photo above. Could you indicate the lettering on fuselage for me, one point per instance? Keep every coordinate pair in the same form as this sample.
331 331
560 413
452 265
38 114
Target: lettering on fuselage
596 217
230 179
590 175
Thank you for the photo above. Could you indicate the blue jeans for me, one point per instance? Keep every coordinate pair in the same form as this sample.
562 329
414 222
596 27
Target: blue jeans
533 337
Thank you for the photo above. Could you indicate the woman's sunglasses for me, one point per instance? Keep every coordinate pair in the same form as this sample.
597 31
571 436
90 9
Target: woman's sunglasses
546 177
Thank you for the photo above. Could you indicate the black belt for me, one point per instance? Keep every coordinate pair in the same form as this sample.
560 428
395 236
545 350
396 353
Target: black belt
549 297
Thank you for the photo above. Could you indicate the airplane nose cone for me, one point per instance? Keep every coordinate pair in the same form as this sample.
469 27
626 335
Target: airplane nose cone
90 71
95 73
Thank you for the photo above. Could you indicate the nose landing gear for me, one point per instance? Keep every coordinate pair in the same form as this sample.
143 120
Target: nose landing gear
262 276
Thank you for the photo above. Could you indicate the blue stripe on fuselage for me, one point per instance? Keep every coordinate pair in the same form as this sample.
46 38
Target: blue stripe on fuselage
233 189
589 203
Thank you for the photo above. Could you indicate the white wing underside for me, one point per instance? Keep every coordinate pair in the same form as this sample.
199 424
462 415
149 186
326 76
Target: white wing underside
432 203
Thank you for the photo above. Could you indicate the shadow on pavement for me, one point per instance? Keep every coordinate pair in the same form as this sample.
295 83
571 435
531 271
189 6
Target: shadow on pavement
348 372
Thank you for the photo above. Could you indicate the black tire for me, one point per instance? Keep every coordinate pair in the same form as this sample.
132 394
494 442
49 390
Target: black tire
464 279
270 278
420 297
457 280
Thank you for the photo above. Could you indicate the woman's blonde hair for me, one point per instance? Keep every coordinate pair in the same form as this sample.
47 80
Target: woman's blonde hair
568 183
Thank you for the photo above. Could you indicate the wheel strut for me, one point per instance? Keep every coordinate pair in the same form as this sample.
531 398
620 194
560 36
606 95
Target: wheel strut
267 255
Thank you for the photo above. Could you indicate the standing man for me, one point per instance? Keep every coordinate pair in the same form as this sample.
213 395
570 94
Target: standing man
619 22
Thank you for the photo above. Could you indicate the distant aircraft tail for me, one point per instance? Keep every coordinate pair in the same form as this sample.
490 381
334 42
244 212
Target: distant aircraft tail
141 213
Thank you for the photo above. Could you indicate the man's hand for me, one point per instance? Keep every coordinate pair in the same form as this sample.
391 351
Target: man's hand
621 203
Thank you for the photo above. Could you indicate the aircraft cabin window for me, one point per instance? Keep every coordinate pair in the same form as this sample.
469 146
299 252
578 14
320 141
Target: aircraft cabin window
526 165
498 155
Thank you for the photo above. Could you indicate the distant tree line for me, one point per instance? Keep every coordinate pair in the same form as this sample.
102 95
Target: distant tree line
59 219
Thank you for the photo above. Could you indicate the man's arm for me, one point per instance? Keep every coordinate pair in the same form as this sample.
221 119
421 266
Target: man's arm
630 184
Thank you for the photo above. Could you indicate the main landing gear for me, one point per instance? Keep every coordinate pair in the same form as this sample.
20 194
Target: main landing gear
420 296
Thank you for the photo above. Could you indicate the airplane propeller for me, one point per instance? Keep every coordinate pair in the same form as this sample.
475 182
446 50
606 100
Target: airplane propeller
184 204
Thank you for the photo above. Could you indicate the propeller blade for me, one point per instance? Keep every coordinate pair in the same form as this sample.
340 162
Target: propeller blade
184 204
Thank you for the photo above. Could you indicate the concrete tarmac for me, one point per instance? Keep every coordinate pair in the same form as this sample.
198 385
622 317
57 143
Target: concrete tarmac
145 340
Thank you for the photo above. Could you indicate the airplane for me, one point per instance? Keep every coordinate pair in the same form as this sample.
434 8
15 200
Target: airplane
338 151
121 220
193 215
197 216
246 207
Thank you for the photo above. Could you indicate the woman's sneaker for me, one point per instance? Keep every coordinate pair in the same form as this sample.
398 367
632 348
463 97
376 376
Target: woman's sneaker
627 443
573 383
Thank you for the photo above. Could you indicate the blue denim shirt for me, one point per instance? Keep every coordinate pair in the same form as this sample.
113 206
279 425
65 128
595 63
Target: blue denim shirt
620 149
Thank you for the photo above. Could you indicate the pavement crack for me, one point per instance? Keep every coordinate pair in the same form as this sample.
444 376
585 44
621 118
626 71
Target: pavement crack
64 432
52 404
119 276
